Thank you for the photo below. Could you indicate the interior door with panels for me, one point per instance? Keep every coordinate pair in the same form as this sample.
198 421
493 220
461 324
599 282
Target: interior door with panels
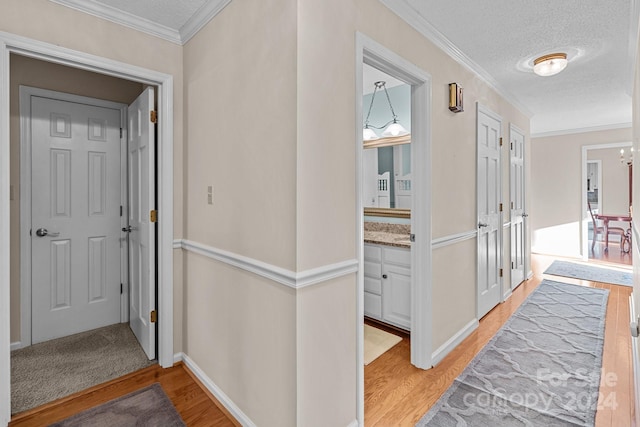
517 205
489 139
75 217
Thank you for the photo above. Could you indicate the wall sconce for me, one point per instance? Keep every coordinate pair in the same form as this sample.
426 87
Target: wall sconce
624 159
455 98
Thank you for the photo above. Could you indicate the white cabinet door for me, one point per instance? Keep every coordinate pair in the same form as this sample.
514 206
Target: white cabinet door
396 296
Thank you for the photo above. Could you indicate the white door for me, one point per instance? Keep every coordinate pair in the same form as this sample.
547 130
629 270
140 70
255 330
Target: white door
142 200
489 210
516 176
75 217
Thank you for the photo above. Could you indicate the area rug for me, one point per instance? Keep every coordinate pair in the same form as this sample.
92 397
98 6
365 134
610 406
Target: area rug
541 369
590 272
149 406
377 342
50 370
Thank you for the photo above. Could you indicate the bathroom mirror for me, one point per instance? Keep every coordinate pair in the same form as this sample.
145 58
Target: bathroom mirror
387 177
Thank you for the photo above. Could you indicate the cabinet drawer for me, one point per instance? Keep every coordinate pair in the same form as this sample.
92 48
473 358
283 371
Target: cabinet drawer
373 269
397 256
372 253
372 305
373 285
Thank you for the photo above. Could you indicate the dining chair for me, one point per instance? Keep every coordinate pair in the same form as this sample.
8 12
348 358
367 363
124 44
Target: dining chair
600 230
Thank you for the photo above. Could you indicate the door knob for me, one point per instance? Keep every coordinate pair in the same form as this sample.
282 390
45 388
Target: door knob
42 232
126 229
384 276
482 224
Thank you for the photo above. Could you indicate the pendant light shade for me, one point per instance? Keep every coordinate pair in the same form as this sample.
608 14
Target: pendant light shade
393 128
549 65
368 134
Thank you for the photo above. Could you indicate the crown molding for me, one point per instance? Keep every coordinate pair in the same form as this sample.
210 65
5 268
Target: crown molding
412 17
126 19
198 20
201 18
560 132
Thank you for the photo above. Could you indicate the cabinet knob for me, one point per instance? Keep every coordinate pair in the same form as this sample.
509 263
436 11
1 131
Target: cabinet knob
384 276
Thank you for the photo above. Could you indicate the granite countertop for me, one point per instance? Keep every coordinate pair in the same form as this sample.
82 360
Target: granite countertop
387 234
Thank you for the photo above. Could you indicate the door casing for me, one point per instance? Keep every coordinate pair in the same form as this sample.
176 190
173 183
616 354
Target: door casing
10 43
372 53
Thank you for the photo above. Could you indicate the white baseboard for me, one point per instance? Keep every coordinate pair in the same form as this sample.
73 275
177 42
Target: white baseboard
635 358
16 345
353 423
453 342
240 416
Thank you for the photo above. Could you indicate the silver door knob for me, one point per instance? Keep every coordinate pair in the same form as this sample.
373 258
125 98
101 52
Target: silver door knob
126 229
482 224
42 232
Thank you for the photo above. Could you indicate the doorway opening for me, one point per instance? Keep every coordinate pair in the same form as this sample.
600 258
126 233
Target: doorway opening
606 194
11 44
417 277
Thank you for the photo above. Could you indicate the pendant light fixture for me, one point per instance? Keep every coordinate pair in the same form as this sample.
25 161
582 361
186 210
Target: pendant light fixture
549 65
393 128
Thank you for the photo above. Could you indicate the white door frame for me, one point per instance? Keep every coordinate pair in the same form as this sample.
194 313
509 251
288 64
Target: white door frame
26 93
374 54
584 220
10 43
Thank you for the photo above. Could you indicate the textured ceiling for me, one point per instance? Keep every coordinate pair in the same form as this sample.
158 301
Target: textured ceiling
498 39
169 13
504 36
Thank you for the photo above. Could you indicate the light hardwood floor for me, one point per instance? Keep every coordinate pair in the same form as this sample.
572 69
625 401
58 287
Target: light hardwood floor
398 394
196 406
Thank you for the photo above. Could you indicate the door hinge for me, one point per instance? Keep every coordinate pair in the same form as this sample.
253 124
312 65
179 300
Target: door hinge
500 141
153 216
500 207
121 289
153 317
120 133
120 210
511 205
154 116
500 272
512 265
512 145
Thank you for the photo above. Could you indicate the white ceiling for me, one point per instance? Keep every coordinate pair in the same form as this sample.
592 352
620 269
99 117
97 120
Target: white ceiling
497 39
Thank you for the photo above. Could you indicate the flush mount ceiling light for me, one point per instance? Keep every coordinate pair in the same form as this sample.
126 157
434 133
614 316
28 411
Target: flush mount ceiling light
393 128
549 65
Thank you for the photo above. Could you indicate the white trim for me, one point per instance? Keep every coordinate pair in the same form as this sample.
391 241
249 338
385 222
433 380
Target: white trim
177 243
525 219
121 17
25 95
584 220
560 132
277 274
16 345
506 224
10 43
635 357
412 17
353 423
233 409
189 29
199 19
372 53
454 341
453 238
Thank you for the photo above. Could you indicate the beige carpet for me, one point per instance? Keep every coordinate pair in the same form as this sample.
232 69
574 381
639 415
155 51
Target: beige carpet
50 370
376 342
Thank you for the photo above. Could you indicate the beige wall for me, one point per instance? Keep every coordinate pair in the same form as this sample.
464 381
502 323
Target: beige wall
46 21
284 192
556 184
45 75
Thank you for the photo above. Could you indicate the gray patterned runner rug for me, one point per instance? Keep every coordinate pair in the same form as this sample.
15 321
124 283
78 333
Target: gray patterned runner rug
590 272
541 369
